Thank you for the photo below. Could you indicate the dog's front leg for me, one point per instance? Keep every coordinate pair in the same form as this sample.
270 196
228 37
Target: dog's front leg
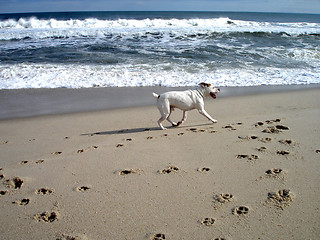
184 118
204 113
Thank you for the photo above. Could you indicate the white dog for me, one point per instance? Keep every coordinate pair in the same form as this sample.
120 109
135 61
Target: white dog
186 101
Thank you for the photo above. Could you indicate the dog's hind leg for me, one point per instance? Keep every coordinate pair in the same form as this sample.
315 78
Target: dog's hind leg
164 109
161 119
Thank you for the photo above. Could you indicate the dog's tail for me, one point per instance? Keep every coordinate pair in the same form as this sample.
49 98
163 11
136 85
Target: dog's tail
155 95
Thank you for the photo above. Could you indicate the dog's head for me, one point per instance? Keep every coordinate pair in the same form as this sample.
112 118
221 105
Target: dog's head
209 90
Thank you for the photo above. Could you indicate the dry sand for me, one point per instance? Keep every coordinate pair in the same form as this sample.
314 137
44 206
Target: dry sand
114 175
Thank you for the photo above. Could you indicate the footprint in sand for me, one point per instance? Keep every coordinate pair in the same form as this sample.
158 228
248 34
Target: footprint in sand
282 152
274 172
249 157
170 169
273 121
195 130
208 221
223 197
40 161
241 210
86 149
3 192
317 151
282 127
229 127
204 169
1 176
287 142
265 140
119 145
22 202
23 162
72 237
219 238
248 137
46 217
258 124
44 191
262 149
158 236
281 198
275 129
57 153
128 171
83 189
15 183
271 130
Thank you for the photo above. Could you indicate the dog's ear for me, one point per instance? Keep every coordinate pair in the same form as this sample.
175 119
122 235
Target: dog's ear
204 84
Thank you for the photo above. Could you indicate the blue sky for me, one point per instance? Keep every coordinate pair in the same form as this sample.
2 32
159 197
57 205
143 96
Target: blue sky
293 6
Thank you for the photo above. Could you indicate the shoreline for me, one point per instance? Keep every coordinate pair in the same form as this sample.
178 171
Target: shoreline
26 103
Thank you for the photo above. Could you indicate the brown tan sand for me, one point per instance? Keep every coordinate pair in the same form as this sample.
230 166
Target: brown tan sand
115 175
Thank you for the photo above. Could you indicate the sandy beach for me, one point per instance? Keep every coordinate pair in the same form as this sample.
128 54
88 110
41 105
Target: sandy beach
114 174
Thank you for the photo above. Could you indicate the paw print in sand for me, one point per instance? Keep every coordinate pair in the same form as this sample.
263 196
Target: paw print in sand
208 221
158 236
170 169
223 197
241 210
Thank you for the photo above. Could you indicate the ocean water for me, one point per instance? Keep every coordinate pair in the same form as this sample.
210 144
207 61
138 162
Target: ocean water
123 49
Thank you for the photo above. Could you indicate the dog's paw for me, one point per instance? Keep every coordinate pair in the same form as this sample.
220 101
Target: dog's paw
214 121
175 124
179 123
162 127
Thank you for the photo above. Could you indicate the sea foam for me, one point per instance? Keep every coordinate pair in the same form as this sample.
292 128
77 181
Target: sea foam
85 76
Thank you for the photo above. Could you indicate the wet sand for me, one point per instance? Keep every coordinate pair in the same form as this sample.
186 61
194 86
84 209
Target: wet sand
21 103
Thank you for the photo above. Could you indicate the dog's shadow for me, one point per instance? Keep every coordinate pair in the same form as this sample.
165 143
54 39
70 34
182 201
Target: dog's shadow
123 131
138 130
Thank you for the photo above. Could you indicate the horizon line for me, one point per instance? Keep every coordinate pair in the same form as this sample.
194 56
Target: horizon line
74 11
